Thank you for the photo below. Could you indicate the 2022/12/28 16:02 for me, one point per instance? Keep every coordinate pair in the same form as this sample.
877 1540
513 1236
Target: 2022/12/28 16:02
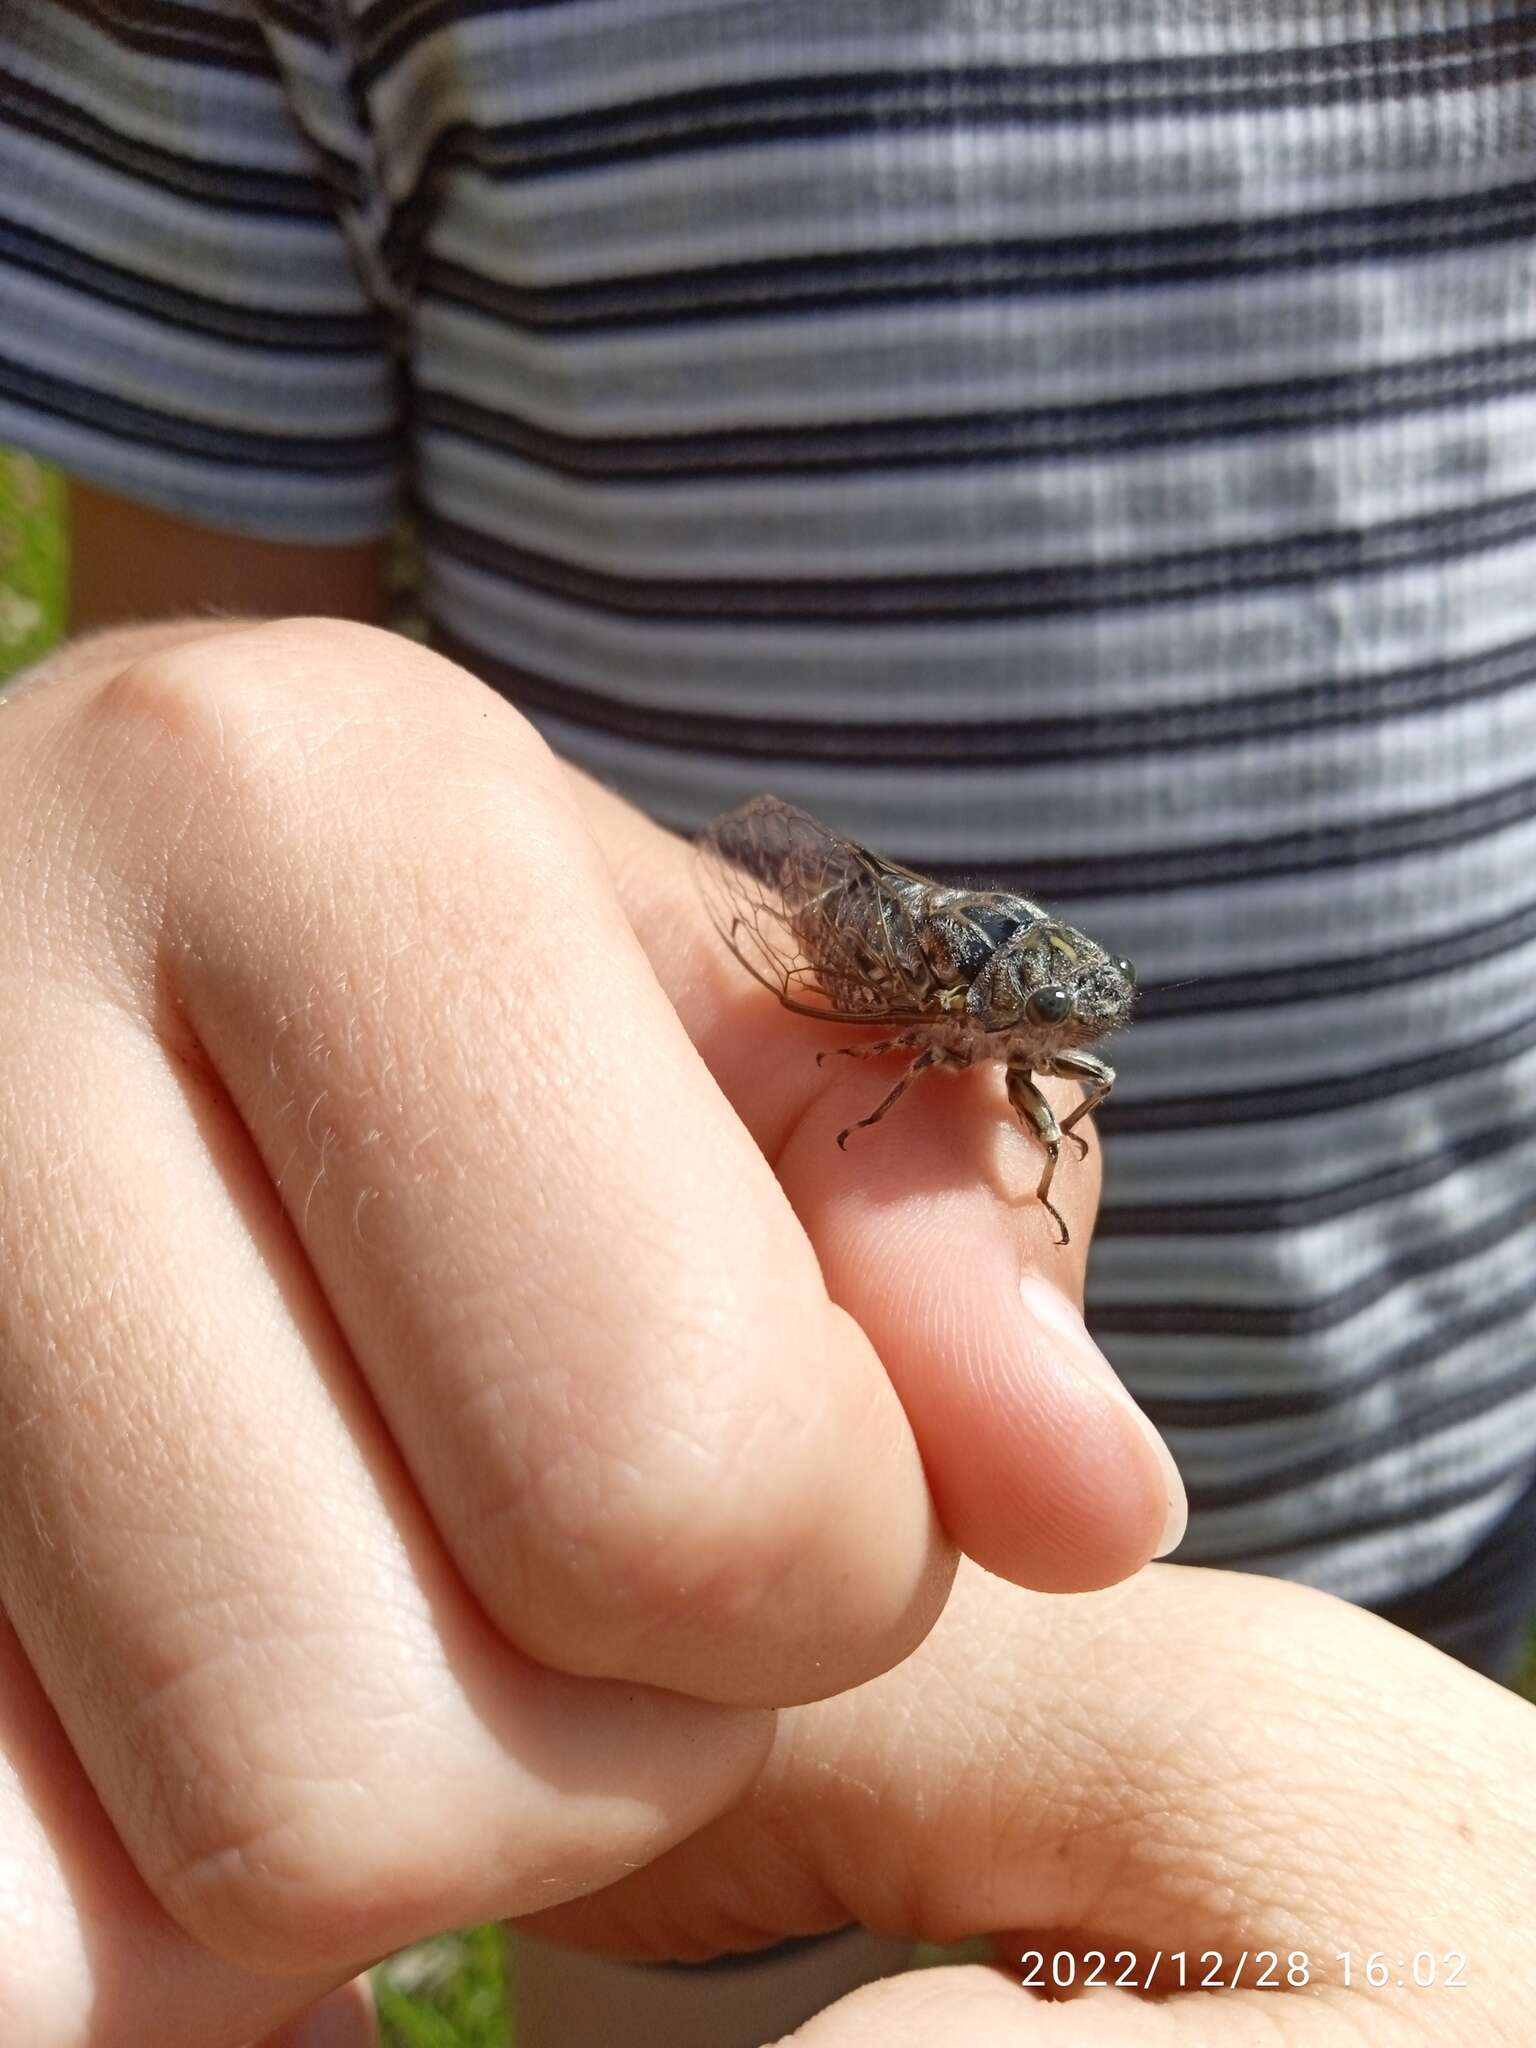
840 933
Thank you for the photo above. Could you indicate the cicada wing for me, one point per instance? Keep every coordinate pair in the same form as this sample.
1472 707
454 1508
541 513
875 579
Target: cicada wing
816 917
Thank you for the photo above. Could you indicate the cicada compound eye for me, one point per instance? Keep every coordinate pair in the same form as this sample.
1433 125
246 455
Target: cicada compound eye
1050 1005
1126 972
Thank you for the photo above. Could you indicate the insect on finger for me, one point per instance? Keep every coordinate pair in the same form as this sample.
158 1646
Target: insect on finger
839 932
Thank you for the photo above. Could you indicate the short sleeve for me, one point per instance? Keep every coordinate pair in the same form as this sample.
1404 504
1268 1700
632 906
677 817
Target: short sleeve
191 314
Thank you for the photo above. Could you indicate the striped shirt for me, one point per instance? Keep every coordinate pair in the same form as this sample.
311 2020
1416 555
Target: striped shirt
1090 449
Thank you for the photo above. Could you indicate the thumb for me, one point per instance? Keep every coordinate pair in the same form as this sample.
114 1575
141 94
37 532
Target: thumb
1327 1840
1041 1466
978 2007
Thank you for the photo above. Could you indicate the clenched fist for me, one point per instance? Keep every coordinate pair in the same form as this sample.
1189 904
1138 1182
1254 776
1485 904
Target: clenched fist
453 1386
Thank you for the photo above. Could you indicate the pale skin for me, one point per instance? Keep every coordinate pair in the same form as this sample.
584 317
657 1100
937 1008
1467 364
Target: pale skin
1192 1761
441 1314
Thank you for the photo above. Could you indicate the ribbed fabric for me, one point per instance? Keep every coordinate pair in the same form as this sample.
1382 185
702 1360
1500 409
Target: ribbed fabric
1087 447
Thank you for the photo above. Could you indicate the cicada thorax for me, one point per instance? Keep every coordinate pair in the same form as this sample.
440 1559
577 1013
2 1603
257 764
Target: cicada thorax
993 952
962 934
924 945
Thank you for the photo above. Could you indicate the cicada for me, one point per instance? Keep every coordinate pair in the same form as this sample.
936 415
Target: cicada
839 932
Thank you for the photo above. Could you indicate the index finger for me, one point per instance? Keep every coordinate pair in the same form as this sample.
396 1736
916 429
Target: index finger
1041 1466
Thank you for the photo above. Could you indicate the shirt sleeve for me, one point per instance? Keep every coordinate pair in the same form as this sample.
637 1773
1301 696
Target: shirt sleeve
194 308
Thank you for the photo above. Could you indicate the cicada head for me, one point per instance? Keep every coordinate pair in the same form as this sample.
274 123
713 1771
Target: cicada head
1056 985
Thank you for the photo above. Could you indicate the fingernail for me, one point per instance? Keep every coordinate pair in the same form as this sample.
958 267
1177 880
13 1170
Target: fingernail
1048 1306
344 2020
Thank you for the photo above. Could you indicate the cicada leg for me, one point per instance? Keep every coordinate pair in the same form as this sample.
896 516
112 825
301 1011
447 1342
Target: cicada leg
1096 1076
924 1059
868 1052
1034 1111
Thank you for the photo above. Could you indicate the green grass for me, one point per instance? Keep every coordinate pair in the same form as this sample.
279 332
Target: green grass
32 560
450 1992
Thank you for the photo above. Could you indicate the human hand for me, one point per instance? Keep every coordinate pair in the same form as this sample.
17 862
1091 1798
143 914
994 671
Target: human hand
454 1383
1243 1774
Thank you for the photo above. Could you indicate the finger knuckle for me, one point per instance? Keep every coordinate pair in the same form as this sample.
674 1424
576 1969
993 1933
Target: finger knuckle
255 1805
253 691
277 1895
701 1559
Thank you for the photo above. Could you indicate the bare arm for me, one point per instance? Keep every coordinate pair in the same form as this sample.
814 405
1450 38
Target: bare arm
140 579
129 562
